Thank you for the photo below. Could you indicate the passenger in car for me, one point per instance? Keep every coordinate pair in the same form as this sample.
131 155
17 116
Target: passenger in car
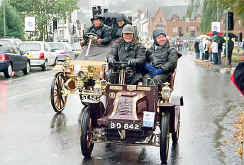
161 60
127 50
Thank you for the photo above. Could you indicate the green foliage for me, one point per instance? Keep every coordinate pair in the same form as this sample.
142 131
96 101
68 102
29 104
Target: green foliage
211 7
14 23
45 11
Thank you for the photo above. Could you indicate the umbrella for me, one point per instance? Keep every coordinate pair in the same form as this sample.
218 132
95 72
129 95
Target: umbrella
213 33
231 35
238 77
202 36
111 15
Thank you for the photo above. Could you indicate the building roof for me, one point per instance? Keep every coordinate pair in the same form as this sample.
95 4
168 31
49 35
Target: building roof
170 11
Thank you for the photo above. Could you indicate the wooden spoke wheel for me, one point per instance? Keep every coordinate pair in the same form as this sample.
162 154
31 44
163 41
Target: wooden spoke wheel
58 100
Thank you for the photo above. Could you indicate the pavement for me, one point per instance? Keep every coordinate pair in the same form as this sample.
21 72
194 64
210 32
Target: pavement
219 67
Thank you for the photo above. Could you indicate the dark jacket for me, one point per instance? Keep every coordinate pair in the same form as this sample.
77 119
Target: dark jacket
123 52
116 33
196 47
163 57
103 32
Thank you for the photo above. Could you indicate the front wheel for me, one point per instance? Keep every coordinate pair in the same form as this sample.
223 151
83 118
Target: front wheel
164 138
86 143
58 100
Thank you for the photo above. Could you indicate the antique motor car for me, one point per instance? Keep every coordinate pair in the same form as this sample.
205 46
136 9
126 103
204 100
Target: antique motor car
73 74
129 114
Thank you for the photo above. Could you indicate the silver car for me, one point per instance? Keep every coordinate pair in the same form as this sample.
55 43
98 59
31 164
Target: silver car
39 53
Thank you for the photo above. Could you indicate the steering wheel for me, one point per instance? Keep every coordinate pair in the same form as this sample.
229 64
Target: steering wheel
91 36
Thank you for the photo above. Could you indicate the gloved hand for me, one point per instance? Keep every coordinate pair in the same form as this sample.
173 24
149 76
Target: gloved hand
156 72
132 62
149 67
111 61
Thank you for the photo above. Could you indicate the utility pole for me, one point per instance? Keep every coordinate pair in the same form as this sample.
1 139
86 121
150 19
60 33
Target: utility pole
4 18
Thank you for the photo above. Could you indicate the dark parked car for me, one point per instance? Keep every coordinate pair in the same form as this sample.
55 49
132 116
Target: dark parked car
12 61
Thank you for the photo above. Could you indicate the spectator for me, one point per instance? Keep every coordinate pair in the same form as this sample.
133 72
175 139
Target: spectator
214 48
230 47
197 49
201 49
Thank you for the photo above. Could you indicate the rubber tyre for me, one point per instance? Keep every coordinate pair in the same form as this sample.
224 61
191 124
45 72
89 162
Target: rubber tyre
164 138
86 127
27 68
44 66
8 73
58 94
175 135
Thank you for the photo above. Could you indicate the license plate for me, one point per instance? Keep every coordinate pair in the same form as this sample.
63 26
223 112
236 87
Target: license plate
126 126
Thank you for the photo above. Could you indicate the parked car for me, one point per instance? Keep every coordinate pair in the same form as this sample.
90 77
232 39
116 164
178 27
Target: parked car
12 61
62 50
13 41
39 53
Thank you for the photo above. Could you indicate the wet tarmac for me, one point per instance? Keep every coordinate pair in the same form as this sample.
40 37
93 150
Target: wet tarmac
32 134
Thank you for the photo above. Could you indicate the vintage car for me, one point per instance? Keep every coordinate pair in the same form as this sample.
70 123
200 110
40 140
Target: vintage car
130 115
116 112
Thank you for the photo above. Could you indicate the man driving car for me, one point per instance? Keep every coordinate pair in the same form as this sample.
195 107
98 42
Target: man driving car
102 31
127 50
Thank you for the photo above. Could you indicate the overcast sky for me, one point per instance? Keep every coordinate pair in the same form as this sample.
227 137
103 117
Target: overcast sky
129 6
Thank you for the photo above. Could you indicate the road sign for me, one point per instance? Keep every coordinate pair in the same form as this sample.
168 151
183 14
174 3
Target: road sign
30 24
215 26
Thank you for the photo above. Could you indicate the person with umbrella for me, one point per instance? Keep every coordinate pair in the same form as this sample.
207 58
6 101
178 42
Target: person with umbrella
121 21
197 49
230 47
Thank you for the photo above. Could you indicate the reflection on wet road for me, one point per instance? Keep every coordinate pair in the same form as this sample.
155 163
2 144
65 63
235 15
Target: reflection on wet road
31 133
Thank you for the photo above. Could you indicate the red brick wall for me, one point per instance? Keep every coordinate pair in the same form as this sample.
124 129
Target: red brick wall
169 25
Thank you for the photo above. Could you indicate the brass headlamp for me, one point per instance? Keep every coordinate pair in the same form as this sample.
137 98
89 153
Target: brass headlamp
68 66
165 93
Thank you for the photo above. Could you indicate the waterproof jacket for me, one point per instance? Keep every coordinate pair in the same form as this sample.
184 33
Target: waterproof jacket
117 31
163 57
103 32
123 52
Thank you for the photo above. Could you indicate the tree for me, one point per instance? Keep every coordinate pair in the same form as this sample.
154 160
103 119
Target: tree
213 10
45 11
14 24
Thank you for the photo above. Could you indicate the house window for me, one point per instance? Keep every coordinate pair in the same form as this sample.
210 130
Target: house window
175 29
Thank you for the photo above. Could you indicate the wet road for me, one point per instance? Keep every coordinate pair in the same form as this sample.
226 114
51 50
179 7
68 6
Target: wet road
32 134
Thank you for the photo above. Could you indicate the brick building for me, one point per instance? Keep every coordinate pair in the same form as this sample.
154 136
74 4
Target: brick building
173 20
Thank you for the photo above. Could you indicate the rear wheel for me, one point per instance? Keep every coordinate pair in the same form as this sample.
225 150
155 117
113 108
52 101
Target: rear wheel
58 100
9 72
27 68
44 66
175 135
164 138
86 134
